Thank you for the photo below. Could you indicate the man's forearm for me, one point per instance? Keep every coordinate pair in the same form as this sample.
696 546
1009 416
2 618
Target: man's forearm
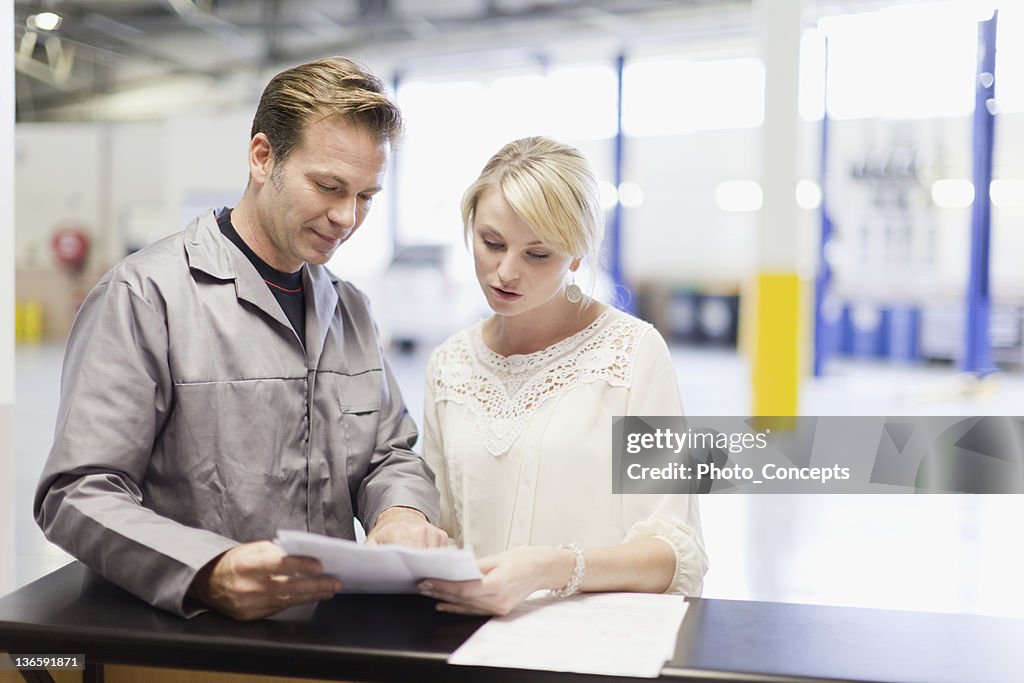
152 557
396 511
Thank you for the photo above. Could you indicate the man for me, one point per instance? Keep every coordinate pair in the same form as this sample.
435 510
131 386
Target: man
221 383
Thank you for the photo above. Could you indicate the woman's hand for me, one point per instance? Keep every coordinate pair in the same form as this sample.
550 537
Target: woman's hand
509 577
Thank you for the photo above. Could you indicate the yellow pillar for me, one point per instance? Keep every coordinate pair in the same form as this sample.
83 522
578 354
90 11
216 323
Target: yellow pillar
776 352
777 330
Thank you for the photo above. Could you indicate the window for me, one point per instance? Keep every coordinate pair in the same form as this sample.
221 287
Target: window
676 96
908 61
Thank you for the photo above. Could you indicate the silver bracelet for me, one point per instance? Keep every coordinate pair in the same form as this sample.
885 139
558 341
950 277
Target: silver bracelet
577 573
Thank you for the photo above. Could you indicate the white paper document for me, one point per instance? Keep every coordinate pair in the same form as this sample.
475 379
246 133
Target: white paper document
623 634
380 568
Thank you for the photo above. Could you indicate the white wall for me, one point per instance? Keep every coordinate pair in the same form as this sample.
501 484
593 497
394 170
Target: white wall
6 303
107 178
1008 223
679 234
58 181
147 179
128 184
138 178
204 161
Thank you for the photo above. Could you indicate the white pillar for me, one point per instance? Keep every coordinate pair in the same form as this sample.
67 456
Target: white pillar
6 298
780 28
779 318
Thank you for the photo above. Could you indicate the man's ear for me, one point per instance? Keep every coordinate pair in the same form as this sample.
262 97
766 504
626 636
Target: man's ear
575 265
261 158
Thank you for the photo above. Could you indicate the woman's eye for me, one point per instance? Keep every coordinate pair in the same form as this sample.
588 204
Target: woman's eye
492 245
539 257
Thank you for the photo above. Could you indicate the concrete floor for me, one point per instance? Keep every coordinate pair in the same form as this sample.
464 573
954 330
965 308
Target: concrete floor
949 553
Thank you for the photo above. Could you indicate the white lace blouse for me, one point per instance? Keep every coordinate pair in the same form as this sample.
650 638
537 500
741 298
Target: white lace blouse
521 445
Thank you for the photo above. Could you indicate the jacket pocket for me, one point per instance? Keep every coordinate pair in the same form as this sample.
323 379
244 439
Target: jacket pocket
359 394
359 404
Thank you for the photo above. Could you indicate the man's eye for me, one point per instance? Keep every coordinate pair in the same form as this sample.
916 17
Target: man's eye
326 188
366 197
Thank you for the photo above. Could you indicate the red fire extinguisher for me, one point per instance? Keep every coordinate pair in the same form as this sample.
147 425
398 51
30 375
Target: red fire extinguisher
70 247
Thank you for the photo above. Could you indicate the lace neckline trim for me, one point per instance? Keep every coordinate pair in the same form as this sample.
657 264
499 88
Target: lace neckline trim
519 362
503 392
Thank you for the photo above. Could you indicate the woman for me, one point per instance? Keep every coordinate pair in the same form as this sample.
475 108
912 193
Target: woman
519 407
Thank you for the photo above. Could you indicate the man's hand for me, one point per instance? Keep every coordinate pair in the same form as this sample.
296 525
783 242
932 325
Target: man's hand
406 526
255 580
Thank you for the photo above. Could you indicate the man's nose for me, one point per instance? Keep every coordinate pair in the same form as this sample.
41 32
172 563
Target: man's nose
343 213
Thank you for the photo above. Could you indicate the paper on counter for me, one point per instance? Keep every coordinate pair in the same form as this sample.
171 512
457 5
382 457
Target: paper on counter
380 568
621 634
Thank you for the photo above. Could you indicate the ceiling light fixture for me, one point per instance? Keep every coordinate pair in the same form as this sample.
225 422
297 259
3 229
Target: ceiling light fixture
44 21
739 196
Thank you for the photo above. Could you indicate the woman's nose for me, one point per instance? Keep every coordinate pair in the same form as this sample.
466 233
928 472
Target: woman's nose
507 270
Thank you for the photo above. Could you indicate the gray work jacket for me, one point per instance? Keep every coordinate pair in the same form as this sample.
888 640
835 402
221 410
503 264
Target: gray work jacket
191 418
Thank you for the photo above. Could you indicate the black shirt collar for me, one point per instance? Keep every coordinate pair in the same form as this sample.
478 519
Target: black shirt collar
273 276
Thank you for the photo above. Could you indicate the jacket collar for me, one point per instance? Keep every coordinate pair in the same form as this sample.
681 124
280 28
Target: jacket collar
321 301
207 248
210 252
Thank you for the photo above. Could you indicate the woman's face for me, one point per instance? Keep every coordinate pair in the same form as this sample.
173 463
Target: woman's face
517 272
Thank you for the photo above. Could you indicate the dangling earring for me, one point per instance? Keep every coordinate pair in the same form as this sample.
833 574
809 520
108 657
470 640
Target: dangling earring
573 292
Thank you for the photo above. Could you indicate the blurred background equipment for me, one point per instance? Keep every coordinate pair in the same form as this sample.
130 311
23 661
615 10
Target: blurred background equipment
420 301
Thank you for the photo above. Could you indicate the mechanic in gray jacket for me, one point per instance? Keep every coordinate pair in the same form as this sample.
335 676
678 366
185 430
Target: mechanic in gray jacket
222 383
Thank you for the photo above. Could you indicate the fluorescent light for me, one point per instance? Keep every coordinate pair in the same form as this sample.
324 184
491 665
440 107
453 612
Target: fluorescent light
953 193
739 195
608 194
959 192
1007 192
630 193
808 194
44 21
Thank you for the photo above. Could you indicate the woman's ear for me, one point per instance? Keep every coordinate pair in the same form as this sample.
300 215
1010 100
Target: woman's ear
575 265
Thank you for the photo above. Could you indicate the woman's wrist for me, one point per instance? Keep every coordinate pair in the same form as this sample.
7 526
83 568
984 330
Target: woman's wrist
564 570
558 567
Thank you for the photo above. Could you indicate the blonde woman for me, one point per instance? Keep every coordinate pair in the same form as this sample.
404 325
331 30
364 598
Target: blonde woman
519 408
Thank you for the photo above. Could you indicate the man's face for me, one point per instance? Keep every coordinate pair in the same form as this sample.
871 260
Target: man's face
315 200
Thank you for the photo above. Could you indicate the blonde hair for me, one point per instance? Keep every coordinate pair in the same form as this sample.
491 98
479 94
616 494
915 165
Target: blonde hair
550 185
335 86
